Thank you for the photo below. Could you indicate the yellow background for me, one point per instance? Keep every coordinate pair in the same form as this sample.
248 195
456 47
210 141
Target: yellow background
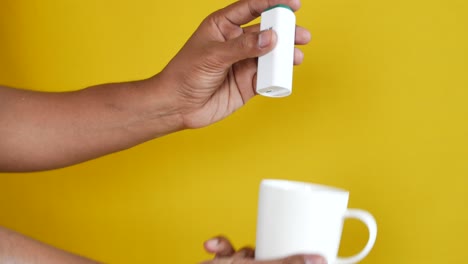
379 107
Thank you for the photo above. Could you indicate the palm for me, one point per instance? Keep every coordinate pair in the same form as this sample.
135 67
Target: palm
215 89
214 73
227 97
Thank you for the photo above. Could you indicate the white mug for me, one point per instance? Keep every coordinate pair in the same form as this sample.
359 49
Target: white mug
305 218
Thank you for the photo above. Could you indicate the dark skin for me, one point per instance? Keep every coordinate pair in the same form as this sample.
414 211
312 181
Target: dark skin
18 249
212 76
225 253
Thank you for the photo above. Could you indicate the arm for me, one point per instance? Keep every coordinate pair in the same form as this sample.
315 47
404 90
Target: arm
16 248
213 75
40 131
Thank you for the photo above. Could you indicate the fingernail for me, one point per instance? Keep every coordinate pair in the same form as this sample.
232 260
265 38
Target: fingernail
314 260
212 243
264 38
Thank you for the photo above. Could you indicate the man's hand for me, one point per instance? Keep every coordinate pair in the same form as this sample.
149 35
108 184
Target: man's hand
213 75
226 254
215 72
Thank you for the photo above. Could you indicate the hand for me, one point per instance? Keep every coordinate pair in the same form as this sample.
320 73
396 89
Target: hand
215 72
225 254
213 75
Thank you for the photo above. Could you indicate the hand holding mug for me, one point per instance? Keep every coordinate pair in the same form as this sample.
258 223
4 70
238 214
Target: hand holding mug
226 254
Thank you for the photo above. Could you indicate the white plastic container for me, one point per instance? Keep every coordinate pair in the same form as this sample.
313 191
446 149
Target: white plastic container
275 69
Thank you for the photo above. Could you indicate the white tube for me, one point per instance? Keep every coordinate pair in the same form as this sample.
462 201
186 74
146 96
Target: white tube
275 69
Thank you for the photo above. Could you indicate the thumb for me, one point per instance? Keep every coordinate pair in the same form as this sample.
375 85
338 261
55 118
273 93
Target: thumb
248 45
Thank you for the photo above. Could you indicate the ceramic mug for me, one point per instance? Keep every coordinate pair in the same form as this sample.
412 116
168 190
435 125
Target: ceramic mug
306 218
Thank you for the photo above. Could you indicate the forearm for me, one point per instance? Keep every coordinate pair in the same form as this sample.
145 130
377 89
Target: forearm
41 131
16 248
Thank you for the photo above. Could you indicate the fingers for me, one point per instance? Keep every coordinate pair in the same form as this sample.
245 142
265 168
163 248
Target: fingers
246 252
225 254
220 246
249 45
244 11
297 259
247 81
303 35
298 56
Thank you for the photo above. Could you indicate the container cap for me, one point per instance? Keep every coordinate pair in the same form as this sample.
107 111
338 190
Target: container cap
280 5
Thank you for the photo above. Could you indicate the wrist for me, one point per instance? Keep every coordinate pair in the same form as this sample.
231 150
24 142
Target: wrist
162 106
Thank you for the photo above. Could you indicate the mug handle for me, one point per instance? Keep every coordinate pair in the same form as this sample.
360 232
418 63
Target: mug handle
369 220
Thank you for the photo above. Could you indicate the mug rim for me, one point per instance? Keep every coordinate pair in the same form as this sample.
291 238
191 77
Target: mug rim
284 184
